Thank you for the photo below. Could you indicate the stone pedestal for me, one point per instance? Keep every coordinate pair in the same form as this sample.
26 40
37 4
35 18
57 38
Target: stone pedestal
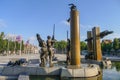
23 77
88 71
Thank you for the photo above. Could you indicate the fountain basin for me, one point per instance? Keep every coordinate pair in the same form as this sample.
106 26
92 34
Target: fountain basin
88 71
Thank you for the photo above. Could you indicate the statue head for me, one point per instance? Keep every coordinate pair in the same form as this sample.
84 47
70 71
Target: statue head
73 7
48 37
37 35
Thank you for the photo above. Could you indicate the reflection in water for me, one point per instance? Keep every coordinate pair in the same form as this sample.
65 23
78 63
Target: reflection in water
58 78
108 73
117 65
112 73
44 78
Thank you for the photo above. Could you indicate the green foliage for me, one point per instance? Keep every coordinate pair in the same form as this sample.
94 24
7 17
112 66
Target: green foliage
22 44
117 65
13 45
116 44
83 45
1 41
60 45
109 46
63 44
1 35
106 47
56 45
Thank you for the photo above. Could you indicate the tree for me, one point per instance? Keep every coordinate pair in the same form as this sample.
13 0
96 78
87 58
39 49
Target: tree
83 45
60 45
116 44
1 35
106 46
1 42
56 45
109 47
103 46
22 45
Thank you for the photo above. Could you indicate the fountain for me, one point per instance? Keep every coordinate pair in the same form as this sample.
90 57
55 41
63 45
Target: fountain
94 47
74 69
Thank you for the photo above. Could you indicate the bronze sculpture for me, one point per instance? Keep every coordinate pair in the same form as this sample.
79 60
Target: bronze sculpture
68 60
44 51
50 43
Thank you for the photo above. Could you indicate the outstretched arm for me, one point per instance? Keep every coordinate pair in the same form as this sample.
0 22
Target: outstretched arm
39 40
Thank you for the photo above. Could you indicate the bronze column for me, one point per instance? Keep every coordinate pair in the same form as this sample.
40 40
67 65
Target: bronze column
89 42
75 37
96 43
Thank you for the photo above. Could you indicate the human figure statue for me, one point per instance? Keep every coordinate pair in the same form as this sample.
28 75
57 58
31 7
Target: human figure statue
43 55
73 7
50 43
44 50
68 59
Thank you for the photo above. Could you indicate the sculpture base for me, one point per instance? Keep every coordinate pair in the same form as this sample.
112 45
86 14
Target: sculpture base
83 71
70 71
73 67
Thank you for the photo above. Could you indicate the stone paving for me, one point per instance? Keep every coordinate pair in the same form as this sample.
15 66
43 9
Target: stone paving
34 58
5 59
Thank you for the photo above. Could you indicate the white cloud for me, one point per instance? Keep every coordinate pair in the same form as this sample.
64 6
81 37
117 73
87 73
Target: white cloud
85 26
88 27
10 37
33 38
83 31
82 37
2 23
65 23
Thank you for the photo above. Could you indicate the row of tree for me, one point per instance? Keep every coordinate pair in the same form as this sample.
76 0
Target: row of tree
111 46
9 45
106 47
61 46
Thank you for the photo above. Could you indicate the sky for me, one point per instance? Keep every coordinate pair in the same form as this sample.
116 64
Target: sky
28 17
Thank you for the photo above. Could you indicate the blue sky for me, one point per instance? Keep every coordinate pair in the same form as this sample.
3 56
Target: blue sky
28 17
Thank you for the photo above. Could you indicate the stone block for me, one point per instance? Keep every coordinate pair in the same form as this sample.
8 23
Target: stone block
8 77
90 72
54 71
17 70
42 71
66 72
7 71
81 72
23 77
31 70
78 72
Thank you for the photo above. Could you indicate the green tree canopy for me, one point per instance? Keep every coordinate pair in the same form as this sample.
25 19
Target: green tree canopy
83 45
60 44
106 47
116 44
